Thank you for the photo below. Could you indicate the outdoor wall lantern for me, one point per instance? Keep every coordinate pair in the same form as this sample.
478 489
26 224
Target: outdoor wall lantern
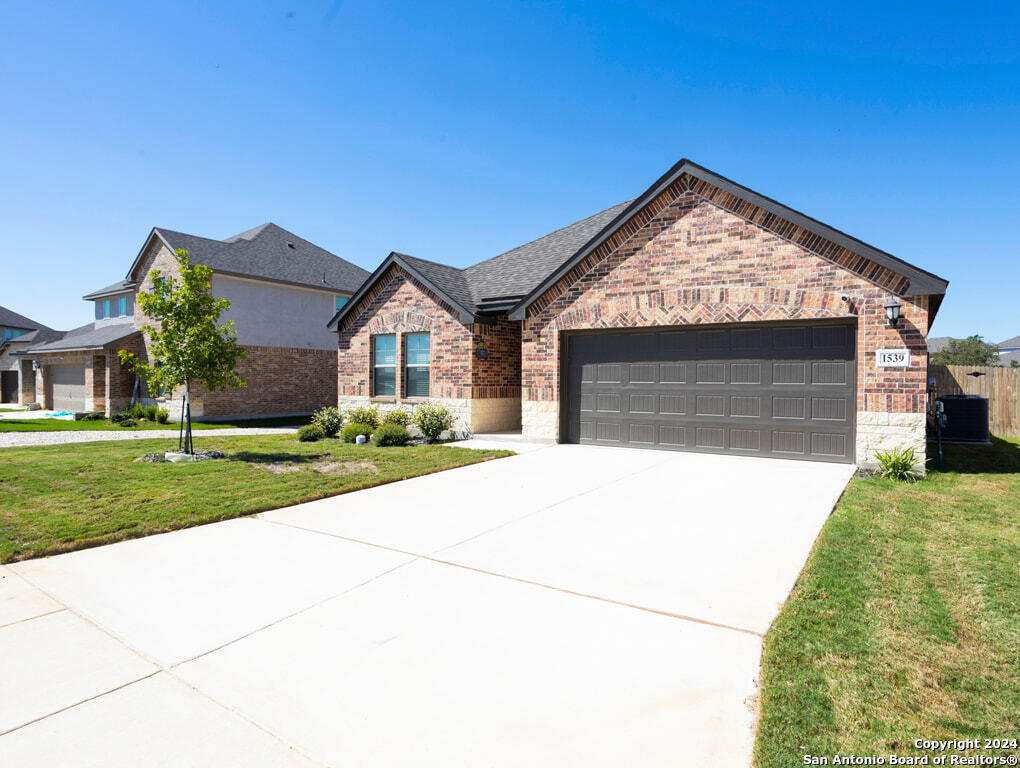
892 312
35 365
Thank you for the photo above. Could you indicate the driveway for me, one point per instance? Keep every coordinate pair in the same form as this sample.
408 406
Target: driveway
568 606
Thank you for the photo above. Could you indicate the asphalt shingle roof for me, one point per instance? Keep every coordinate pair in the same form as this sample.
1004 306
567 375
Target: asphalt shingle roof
1010 343
120 286
11 319
516 271
269 252
87 337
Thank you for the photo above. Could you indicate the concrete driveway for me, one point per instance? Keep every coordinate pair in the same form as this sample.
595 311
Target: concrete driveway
567 606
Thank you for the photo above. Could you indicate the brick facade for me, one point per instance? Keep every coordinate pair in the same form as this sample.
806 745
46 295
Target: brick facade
483 389
697 255
280 381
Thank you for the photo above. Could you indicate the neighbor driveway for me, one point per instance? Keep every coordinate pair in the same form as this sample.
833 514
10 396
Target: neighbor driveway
568 606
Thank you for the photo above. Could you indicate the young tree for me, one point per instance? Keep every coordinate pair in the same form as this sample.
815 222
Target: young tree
970 351
187 343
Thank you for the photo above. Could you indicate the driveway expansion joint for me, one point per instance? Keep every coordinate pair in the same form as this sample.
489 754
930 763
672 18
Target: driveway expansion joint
562 590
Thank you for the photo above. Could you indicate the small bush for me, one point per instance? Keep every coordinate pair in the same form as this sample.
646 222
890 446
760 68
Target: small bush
433 419
898 465
137 412
309 433
351 431
162 415
150 412
399 416
363 415
391 434
329 420
120 416
94 416
128 422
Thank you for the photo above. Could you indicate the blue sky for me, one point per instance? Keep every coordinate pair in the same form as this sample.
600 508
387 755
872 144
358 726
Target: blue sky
453 131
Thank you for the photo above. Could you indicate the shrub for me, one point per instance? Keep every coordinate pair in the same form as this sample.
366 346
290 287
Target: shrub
391 434
898 465
150 412
399 416
162 415
128 422
309 433
363 415
351 431
137 411
329 420
120 416
433 419
94 416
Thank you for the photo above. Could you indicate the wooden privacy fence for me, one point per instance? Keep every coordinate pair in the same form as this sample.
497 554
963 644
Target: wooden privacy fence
999 384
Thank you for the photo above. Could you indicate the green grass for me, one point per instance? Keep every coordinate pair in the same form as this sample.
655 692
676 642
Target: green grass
63 425
905 622
60 498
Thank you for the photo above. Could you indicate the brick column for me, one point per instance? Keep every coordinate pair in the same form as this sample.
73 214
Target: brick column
99 379
42 381
26 382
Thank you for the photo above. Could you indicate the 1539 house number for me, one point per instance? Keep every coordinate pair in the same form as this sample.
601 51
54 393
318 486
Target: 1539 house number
892 358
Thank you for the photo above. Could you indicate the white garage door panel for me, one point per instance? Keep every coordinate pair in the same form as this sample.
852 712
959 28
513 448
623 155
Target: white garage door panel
68 387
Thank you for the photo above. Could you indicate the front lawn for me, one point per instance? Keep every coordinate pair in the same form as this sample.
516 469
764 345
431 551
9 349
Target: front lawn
65 425
60 498
905 622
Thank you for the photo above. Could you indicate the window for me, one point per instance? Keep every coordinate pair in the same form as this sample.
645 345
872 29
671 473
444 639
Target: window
123 305
340 301
106 308
416 365
384 366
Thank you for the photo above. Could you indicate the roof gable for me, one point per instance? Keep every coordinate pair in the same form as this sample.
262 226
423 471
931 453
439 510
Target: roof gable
761 210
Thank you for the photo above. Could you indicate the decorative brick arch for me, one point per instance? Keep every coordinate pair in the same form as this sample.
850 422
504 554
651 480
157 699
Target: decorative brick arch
400 321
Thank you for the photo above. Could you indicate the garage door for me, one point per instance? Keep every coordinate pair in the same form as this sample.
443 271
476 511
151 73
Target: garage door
68 387
785 391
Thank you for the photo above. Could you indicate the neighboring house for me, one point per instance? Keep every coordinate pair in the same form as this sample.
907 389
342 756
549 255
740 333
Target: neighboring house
1009 351
700 316
17 332
938 343
282 291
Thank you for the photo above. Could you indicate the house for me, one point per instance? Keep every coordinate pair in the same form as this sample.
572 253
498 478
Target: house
938 343
1009 351
17 332
699 316
282 290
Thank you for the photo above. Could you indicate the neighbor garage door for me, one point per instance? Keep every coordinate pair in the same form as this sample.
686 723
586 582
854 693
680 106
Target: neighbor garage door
68 387
785 391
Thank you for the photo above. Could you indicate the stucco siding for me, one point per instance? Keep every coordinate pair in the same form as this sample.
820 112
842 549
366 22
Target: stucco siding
271 315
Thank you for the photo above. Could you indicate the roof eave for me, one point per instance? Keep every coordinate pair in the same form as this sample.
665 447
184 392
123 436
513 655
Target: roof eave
921 283
102 294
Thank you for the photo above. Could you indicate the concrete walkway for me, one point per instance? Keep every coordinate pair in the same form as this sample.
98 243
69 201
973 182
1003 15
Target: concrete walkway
566 606
19 439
